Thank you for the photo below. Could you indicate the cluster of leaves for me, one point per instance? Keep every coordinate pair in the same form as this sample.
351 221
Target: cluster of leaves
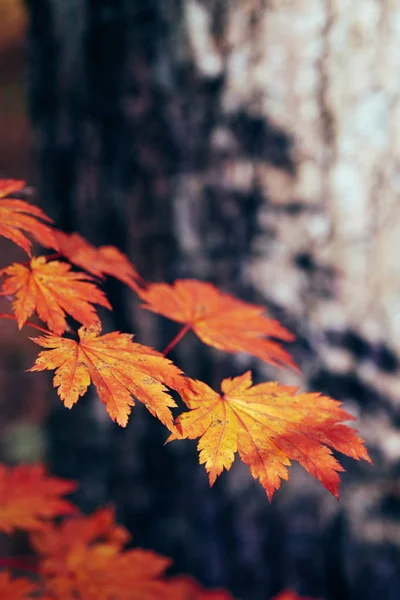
268 424
81 557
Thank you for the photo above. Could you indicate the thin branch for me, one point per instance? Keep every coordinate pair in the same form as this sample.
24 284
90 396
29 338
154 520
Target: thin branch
20 564
177 338
14 318
46 256
53 255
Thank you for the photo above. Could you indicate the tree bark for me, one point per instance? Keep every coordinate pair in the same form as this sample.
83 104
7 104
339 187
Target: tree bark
251 144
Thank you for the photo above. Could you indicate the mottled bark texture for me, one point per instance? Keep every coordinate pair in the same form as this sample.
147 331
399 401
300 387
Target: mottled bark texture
254 144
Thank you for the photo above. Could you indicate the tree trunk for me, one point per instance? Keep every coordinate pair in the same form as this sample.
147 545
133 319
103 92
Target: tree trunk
252 144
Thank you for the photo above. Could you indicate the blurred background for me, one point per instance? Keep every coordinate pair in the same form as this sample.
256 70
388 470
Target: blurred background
254 144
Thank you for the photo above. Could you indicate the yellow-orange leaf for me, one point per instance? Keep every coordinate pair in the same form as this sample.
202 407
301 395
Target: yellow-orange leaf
17 218
186 588
219 320
15 589
104 260
28 497
269 425
117 366
53 290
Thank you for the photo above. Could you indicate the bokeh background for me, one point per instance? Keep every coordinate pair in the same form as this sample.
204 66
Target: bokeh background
254 144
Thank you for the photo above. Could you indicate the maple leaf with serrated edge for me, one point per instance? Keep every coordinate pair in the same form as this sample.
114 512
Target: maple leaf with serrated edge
55 541
84 558
118 367
186 588
53 290
219 319
104 572
18 217
15 588
269 425
28 496
104 260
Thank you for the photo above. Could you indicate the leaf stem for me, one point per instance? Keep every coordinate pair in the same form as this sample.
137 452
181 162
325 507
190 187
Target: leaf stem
177 338
13 318
46 256
20 564
53 255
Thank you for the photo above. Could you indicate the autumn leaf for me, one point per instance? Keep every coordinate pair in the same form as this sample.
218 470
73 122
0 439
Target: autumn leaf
104 572
56 541
28 497
269 425
220 320
104 260
53 290
18 217
117 366
186 588
16 588
9 186
84 557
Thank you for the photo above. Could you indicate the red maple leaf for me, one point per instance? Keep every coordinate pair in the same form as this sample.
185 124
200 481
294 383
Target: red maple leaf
28 497
220 320
101 261
17 218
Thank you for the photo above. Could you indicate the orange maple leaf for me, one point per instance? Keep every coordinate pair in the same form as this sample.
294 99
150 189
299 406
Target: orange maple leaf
104 260
118 367
289 595
15 589
17 217
9 186
269 425
28 497
186 588
53 290
84 558
220 320
55 542
103 572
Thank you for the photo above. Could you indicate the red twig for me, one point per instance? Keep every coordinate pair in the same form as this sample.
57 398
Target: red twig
53 255
13 318
46 256
20 564
177 338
